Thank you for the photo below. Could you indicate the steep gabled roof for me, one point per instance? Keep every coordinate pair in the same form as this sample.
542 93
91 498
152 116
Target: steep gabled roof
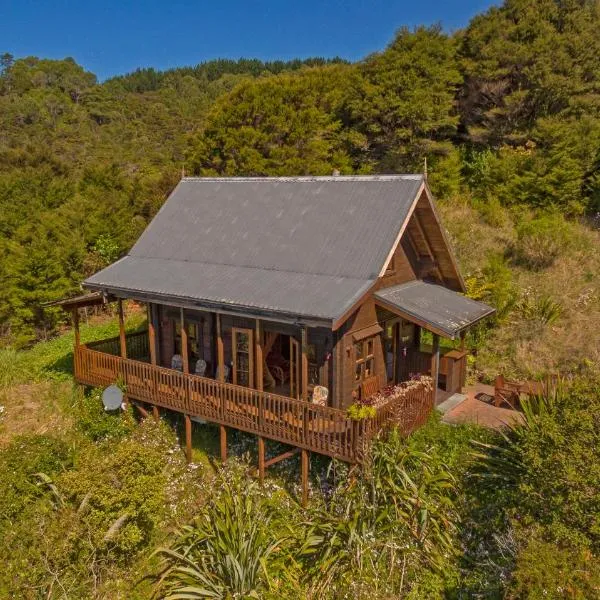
303 246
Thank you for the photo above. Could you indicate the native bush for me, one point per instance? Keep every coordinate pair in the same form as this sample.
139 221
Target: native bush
122 486
99 424
546 472
541 240
233 549
22 465
386 529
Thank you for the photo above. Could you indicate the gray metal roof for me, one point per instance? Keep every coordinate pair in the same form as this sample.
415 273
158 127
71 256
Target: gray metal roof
304 245
295 294
441 310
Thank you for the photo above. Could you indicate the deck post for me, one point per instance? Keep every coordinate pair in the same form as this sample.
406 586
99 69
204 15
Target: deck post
304 374
417 337
220 351
261 459
151 334
223 440
184 345
75 314
258 342
305 466
463 370
435 365
188 438
122 338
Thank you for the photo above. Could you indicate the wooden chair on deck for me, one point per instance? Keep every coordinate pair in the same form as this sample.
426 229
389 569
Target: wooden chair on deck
320 395
506 392
200 368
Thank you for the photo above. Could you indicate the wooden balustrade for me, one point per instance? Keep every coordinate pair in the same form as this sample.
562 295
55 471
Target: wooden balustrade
137 345
317 428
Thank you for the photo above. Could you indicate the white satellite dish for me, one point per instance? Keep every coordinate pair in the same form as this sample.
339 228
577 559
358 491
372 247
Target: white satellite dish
112 397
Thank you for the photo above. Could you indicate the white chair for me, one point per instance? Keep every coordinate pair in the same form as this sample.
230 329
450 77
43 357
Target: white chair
177 362
225 373
200 368
320 395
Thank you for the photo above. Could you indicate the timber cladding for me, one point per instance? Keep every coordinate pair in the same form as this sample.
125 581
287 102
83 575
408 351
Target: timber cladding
345 356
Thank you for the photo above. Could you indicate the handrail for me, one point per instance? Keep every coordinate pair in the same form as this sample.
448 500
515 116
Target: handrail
136 343
321 429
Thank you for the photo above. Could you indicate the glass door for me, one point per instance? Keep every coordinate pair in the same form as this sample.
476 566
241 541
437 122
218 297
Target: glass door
243 357
294 368
391 350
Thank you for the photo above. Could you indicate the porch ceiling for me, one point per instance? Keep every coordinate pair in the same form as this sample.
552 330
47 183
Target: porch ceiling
433 307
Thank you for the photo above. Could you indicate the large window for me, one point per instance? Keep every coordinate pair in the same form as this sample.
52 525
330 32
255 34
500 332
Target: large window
364 357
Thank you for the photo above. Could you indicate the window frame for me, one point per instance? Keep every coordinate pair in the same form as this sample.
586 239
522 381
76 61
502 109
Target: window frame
362 357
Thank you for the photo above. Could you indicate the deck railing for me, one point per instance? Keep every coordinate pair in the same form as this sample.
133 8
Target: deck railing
321 429
136 344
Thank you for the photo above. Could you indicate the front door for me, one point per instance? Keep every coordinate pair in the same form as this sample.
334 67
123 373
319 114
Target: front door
391 347
294 368
243 357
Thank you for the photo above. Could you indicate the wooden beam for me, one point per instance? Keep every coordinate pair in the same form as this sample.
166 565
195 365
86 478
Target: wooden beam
142 410
261 459
122 338
223 440
417 338
463 370
220 351
75 313
151 334
304 374
280 457
427 243
305 467
259 362
184 344
435 365
188 438
155 412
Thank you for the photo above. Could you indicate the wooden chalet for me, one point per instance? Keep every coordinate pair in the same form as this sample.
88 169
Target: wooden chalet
276 303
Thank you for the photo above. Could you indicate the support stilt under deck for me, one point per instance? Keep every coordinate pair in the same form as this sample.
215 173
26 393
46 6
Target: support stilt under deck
261 459
188 438
223 440
305 467
435 366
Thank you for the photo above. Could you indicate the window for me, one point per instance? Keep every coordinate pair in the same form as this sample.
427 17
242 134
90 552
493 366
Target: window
364 357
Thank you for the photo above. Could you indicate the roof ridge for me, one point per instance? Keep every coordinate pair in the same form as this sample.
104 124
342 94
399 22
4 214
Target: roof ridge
308 178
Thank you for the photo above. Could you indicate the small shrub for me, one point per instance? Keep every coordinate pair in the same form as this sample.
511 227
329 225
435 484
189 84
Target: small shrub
19 465
540 241
359 411
543 310
99 424
546 571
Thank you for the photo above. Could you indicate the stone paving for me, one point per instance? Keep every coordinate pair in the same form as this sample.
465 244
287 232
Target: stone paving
477 412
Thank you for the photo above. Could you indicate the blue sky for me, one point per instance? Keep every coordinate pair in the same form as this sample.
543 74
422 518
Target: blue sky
112 37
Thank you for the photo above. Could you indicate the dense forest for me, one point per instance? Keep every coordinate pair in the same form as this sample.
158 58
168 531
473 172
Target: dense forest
506 115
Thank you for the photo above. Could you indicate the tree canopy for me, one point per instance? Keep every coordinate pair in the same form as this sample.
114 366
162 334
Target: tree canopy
506 110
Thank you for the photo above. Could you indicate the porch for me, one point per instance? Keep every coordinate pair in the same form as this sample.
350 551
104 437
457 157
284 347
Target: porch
301 424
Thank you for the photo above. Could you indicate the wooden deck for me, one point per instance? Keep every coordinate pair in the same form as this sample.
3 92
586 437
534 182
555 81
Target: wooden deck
320 429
